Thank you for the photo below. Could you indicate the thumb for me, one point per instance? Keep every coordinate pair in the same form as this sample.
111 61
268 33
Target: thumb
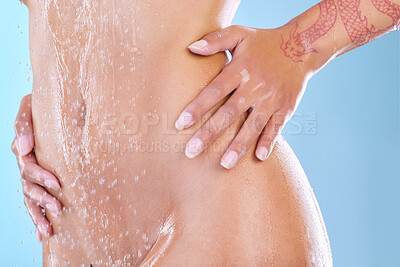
217 41
24 128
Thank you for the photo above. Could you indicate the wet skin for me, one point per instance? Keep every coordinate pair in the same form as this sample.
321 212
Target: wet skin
109 83
108 77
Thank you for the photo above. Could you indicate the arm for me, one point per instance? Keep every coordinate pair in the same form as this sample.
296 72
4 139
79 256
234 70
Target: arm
270 69
341 25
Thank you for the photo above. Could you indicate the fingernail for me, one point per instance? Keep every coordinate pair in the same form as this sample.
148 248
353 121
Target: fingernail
52 184
262 153
229 159
53 208
38 235
200 45
184 120
194 148
24 143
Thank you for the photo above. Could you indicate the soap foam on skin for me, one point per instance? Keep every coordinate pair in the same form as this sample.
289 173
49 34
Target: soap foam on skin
245 76
258 86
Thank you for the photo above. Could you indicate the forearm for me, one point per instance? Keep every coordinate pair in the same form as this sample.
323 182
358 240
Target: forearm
334 27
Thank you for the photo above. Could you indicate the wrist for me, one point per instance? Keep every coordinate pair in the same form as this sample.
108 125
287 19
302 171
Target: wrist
309 39
294 46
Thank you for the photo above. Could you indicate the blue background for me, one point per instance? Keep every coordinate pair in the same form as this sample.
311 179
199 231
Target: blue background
352 160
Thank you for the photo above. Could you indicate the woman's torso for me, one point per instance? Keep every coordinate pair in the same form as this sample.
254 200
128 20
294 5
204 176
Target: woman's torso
110 79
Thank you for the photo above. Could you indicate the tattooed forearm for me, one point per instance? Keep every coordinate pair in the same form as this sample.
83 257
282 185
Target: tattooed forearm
357 25
298 45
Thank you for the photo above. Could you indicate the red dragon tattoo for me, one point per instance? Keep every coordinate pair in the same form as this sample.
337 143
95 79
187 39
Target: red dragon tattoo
299 44
357 25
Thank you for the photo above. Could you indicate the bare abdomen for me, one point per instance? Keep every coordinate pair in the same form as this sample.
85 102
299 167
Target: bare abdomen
104 105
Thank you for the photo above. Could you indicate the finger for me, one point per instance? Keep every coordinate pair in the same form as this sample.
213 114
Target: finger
39 195
227 81
24 160
269 134
38 235
228 113
14 146
220 40
38 218
246 137
32 172
23 127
